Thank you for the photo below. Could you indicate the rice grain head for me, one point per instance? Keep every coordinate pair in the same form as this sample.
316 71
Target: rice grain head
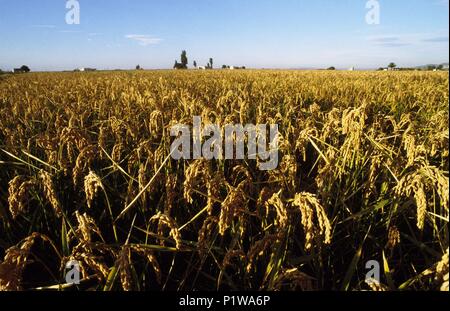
19 190
50 192
166 221
442 272
232 206
314 219
92 183
14 263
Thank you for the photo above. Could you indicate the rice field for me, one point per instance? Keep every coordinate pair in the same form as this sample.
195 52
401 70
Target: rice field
86 175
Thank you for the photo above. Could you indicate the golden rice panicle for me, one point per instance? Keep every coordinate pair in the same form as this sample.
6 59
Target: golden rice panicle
143 181
205 233
214 187
15 203
50 192
234 204
375 164
84 255
86 226
441 183
124 266
376 286
264 195
197 172
84 161
167 221
156 121
312 211
118 128
15 261
417 183
353 123
281 220
421 201
73 137
19 190
331 126
117 152
307 214
286 171
442 272
303 139
409 145
412 184
92 183
171 193
393 238
103 138
83 252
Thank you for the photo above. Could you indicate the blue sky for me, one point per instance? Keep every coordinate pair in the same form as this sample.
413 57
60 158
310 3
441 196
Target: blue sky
256 33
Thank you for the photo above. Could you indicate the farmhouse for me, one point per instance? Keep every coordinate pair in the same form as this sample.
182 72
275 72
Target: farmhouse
82 69
235 67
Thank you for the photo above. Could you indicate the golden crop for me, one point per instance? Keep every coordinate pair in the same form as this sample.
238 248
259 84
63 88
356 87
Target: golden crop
85 175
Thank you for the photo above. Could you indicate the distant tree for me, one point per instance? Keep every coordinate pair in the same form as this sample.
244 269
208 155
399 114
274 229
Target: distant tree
138 67
195 64
380 69
179 65
25 68
211 63
184 59
392 66
224 66
440 67
331 68
431 67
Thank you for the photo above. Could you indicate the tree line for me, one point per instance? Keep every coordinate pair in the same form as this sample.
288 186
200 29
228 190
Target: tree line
183 63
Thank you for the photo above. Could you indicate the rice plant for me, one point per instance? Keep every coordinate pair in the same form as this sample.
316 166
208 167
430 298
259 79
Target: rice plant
86 175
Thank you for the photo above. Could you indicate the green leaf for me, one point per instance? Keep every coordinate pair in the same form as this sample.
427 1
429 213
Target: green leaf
388 274
352 268
111 279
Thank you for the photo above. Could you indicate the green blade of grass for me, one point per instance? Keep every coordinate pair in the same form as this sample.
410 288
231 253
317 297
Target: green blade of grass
352 268
387 273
